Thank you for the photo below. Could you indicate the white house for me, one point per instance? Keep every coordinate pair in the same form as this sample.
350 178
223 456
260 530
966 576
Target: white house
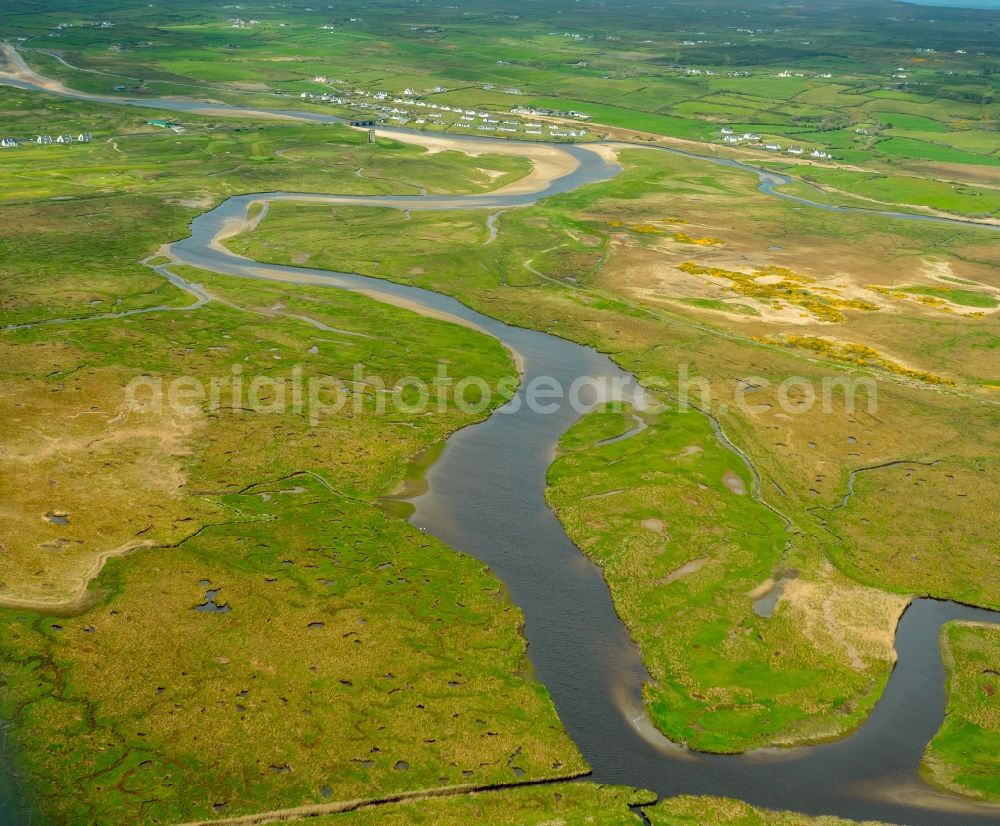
731 139
795 150
8 142
818 153
84 137
773 147
726 130
44 139
64 139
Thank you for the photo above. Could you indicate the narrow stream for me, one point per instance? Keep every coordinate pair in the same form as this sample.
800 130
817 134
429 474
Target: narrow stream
485 496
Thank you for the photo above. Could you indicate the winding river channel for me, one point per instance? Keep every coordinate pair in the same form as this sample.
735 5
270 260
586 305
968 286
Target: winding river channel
485 496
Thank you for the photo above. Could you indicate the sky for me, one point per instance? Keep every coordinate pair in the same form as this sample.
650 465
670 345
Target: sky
960 4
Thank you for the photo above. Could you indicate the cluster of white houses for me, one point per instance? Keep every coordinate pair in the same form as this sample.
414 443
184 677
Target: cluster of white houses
752 140
558 113
46 140
408 107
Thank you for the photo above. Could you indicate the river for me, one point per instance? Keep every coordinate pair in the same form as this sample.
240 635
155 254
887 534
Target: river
494 470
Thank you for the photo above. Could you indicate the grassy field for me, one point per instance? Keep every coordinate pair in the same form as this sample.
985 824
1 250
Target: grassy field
328 674
958 198
193 677
568 803
136 187
668 514
323 594
263 577
602 266
954 295
914 97
573 804
673 233
963 755
679 811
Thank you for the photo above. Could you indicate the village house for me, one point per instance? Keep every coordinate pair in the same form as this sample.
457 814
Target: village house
9 142
533 111
44 140
64 139
795 150
726 130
